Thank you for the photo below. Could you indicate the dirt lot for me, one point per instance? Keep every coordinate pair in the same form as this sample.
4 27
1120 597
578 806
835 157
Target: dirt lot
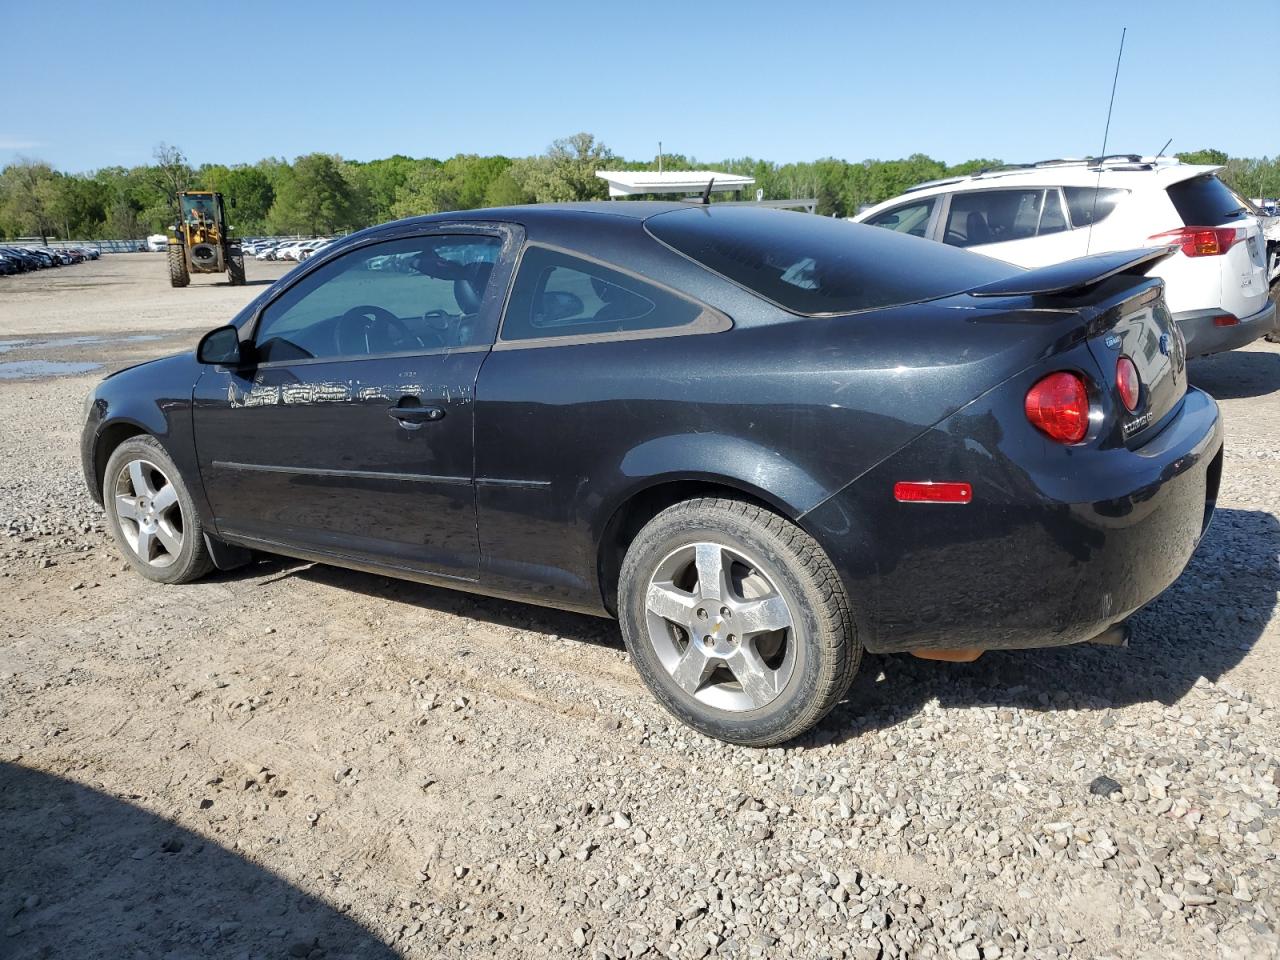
294 760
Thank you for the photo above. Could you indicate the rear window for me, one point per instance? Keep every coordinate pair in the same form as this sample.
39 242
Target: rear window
817 265
1205 202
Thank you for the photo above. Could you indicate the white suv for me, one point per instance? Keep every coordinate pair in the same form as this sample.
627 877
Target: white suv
1216 283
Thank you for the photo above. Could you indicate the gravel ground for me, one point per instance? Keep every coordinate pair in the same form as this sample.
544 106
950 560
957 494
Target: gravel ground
299 761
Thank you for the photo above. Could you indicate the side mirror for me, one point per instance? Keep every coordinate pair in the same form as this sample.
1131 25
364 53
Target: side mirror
220 346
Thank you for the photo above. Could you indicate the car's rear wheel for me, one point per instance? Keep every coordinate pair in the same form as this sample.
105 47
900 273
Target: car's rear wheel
151 514
737 621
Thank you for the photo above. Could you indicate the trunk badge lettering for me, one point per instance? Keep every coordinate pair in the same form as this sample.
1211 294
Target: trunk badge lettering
1113 341
1164 344
1136 424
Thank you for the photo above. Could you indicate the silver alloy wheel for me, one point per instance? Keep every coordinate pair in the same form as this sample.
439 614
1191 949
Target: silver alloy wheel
720 627
147 509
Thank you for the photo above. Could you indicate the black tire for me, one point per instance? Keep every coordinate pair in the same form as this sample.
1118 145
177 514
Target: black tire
191 561
178 276
827 648
1274 335
235 266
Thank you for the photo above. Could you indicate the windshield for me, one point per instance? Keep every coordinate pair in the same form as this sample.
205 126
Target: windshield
819 265
194 208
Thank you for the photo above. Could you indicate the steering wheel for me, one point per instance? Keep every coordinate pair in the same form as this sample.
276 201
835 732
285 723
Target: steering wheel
368 329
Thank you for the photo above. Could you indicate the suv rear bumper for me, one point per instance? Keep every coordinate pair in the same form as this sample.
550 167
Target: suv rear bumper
1203 337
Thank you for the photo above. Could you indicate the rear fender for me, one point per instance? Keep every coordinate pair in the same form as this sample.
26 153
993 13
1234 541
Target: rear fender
720 458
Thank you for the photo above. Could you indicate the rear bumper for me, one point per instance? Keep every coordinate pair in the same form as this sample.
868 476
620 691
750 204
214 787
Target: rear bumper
1045 555
1204 337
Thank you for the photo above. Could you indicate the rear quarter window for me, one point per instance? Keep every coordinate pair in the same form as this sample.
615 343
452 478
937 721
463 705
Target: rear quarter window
1205 202
559 295
814 265
1088 205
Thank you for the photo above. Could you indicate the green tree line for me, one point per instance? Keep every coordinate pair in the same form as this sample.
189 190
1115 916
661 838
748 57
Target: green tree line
322 193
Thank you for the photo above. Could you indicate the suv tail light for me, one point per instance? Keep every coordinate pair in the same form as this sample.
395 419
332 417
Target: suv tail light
1202 241
1129 384
1058 405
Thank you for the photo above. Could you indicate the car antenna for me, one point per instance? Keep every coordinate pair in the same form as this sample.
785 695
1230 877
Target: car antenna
1106 132
1164 148
706 194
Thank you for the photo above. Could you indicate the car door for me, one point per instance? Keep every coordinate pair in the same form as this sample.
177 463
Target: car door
1026 226
349 434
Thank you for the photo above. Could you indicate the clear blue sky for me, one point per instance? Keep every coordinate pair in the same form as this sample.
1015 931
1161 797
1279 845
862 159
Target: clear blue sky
103 83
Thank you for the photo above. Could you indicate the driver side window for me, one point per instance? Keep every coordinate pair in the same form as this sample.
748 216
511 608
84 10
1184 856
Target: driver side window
419 293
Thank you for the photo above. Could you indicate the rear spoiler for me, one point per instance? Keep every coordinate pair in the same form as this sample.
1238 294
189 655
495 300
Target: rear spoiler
1074 275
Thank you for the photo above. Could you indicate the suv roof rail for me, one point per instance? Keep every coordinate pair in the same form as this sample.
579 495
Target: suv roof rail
1111 161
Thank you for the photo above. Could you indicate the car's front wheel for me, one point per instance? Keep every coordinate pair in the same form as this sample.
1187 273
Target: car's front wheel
151 514
737 621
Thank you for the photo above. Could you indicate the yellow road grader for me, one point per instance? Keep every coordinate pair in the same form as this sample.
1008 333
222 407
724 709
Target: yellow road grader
200 241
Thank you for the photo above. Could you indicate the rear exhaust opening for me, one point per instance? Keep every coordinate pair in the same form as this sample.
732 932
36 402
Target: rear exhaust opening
1213 479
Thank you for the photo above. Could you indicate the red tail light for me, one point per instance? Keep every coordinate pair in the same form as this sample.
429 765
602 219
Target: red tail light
1058 405
1225 320
1202 241
1128 382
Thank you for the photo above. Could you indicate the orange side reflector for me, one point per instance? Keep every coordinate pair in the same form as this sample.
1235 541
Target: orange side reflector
927 491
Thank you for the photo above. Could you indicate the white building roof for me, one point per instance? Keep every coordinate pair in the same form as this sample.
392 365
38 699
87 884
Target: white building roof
629 183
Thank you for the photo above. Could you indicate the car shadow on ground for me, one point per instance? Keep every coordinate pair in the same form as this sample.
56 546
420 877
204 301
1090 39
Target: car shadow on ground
504 613
1237 374
1202 626
83 874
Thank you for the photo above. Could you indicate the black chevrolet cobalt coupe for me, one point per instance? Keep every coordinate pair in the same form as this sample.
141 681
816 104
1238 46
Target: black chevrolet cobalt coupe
764 441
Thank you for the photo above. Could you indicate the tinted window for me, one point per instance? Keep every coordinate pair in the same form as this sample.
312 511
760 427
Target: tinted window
403 295
1204 202
815 265
1092 204
993 216
912 218
558 295
1052 217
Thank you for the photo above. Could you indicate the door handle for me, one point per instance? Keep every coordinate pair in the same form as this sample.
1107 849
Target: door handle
411 418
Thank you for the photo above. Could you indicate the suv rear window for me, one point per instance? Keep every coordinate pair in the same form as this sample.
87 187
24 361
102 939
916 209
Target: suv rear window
820 265
1204 202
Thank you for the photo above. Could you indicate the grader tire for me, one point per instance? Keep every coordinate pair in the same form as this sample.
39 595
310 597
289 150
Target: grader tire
178 276
235 269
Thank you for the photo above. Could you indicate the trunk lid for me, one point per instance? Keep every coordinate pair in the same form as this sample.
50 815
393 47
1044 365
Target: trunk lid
1137 324
1204 201
1122 314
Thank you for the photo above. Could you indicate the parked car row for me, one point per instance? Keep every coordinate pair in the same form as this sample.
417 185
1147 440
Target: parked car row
290 249
14 260
1216 282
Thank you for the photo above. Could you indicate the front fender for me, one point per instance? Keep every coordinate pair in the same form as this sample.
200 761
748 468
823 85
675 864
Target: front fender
153 398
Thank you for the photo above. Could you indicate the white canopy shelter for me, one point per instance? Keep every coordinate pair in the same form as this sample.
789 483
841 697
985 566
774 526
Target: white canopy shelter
630 183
